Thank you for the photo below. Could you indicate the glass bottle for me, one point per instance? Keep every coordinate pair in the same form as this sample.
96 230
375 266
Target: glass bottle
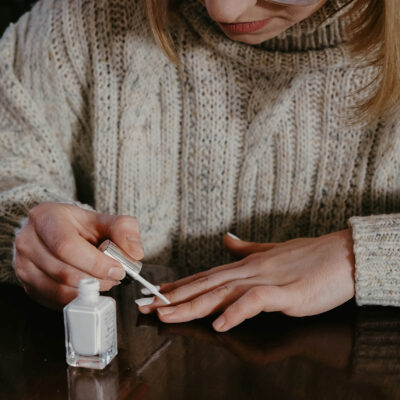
90 327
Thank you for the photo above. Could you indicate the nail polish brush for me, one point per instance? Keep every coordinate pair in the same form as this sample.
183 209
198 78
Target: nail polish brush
131 267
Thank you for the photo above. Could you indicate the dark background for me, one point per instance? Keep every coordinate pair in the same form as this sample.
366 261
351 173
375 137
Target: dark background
11 10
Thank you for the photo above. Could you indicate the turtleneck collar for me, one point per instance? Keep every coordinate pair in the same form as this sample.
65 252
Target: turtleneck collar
316 42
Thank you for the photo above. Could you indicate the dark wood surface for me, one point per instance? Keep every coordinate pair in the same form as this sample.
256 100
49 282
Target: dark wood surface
11 10
348 353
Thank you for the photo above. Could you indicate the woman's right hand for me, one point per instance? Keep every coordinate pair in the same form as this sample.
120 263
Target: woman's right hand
57 247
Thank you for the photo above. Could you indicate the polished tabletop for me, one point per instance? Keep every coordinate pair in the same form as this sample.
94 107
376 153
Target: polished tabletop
348 353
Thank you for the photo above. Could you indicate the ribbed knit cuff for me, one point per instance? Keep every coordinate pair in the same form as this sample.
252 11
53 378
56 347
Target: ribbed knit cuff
377 257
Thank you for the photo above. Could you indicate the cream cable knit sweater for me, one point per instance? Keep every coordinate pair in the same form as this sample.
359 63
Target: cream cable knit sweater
239 138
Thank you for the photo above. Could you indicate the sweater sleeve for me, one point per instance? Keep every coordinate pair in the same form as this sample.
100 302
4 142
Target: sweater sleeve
377 259
35 128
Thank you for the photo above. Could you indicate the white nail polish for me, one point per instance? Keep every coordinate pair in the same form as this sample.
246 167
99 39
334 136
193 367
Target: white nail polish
90 327
232 236
146 292
145 301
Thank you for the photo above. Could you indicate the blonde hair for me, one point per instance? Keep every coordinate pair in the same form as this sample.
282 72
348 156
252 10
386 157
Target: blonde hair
158 12
374 35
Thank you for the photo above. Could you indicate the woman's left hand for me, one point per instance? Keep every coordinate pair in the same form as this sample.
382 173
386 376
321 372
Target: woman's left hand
300 277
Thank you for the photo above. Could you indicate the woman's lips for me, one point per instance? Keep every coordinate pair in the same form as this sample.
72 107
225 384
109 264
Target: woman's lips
245 27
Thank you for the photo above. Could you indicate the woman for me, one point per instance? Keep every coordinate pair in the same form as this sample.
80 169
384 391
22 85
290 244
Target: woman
254 130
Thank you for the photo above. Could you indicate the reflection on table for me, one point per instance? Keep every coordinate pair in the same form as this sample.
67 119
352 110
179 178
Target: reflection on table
348 353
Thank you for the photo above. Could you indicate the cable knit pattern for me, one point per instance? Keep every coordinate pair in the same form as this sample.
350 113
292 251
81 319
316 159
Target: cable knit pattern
248 139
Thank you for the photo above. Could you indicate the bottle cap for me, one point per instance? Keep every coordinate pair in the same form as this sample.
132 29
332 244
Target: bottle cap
89 286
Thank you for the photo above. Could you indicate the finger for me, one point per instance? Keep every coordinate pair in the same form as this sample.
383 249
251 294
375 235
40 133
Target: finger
202 285
57 270
241 248
44 290
255 300
203 305
168 287
71 248
123 230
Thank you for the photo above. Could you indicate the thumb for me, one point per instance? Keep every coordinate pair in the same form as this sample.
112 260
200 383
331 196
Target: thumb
240 248
123 230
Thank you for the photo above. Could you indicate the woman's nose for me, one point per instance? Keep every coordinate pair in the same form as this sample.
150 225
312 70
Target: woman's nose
228 11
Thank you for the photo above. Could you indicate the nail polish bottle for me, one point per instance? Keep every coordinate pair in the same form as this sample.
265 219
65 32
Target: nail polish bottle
90 327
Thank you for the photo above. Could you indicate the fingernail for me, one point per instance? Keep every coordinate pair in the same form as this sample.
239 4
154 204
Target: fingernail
146 291
219 323
166 310
134 244
145 301
233 236
116 273
132 241
131 238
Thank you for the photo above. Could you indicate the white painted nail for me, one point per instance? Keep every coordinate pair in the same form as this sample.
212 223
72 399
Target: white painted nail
232 236
145 301
146 292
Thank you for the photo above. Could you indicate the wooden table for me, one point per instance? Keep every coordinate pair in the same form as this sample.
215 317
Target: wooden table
348 353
